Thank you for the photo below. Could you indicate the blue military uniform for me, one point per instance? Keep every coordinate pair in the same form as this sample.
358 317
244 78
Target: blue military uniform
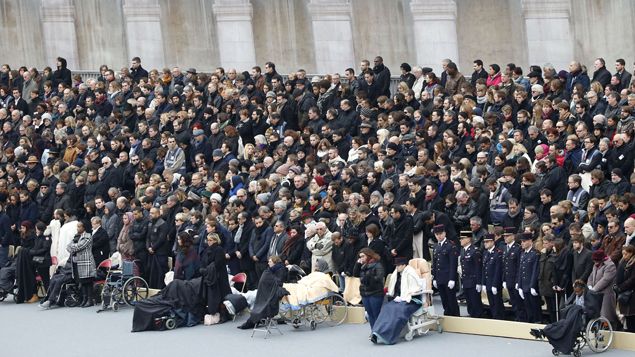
528 273
493 278
471 275
511 256
444 270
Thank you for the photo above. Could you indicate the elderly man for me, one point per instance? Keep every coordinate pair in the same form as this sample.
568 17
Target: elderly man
321 246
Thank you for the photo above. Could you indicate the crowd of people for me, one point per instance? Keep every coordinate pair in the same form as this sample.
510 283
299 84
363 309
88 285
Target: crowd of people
511 184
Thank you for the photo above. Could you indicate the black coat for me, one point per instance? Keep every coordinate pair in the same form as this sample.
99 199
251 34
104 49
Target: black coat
371 278
138 233
158 237
401 241
101 245
582 265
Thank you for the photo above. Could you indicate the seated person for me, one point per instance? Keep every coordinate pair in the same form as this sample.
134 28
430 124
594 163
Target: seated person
54 296
33 258
269 293
188 263
404 298
581 307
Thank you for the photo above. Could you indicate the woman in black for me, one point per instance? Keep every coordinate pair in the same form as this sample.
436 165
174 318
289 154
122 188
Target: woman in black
371 275
214 266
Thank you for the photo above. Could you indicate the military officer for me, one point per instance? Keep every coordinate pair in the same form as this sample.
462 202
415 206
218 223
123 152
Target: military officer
493 276
471 261
527 281
444 266
511 255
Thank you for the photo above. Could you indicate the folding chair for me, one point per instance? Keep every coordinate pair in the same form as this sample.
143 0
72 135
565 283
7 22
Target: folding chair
266 326
240 278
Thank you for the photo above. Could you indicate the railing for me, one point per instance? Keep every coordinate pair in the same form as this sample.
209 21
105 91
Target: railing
394 80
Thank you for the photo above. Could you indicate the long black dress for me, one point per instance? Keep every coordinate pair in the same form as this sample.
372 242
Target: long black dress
215 279
25 270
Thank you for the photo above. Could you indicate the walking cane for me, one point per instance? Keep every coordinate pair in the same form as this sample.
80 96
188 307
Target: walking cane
557 309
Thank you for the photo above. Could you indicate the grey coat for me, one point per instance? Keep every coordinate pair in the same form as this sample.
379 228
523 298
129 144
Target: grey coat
82 255
601 280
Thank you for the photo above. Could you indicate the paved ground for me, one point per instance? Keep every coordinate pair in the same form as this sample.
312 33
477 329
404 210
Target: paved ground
27 331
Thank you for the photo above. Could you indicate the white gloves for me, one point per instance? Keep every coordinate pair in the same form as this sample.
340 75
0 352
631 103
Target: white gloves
451 284
534 292
434 283
398 299
522 295
504 286
494 290
478 288
516 287
590 287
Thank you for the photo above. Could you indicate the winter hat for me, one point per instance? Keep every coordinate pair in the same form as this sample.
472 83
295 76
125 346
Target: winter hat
111 207
598 255
495 67
271 94
188 204
392 146
319 180
217 152
368 113
216 197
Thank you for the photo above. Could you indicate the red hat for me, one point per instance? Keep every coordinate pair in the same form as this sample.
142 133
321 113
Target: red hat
598 255
319 180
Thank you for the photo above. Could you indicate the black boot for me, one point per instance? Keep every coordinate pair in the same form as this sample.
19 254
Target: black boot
87 291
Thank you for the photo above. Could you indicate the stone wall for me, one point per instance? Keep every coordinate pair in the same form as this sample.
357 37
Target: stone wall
317 35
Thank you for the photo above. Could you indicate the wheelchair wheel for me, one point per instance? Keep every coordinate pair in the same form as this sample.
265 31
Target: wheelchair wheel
409 336
135 289
170 324
599 334
72 298
555 352
336 309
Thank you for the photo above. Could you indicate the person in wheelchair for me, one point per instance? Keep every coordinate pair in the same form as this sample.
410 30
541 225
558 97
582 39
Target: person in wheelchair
55 294
582 306
404 298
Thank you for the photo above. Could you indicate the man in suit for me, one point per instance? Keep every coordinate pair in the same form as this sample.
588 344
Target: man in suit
527 280
511 254
444 271
278 239
471 261
419 245
493 276
101 242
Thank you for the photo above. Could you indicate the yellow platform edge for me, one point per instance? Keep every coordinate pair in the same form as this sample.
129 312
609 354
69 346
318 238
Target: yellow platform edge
518 330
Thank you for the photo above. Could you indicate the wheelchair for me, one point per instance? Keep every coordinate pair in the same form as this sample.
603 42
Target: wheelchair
40 290
597 335
121 286
424 318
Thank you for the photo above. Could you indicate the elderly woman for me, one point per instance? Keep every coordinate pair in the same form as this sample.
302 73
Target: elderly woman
601 280
625 285
83 262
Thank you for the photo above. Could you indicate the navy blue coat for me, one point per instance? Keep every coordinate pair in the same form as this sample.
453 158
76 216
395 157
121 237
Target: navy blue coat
493 268
471 266
259 243
528 270
511 259
444 263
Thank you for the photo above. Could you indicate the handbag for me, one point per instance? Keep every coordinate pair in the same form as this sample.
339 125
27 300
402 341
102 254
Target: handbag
38 259
624 297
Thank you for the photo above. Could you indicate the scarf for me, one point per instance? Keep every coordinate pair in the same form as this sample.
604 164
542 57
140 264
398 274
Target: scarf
239 234
286 247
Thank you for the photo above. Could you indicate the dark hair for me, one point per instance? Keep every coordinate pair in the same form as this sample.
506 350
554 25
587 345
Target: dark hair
370 254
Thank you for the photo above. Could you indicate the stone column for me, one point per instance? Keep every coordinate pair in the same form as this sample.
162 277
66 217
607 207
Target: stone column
235 34
58 29
435 32
142 19
549 35
332 35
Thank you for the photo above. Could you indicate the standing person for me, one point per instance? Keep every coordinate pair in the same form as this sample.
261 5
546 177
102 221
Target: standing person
527 280
493 277
125 245
401 241
215 276
158 249
471 261
84 271
547 278
626 283
582 262
444 266
511 254
601 280
371 276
